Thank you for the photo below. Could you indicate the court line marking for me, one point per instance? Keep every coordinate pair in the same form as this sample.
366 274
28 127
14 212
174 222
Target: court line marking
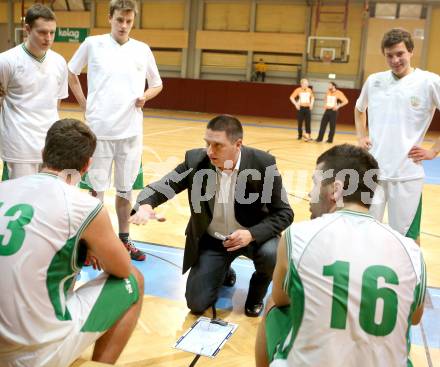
169 131
205 121
143 326
430 234
425 344
255 124
144 248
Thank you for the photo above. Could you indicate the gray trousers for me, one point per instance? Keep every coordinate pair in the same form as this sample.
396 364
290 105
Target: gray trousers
207 275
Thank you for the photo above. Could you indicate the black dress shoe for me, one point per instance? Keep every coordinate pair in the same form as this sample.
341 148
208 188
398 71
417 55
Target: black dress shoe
253 310
230 278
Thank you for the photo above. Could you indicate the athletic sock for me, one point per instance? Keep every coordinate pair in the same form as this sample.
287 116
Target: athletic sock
124 237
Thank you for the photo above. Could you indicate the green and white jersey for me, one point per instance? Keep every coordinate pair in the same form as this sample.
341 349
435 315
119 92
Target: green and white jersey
41 221
30 107
116 77
354 284
399 114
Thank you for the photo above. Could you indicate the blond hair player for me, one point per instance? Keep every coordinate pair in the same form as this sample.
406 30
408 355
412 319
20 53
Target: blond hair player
303 99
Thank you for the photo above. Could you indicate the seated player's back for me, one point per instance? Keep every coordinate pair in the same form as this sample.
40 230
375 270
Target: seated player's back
41 221
353 288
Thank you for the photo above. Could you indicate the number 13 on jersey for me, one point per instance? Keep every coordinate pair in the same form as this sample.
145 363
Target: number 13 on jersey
13 220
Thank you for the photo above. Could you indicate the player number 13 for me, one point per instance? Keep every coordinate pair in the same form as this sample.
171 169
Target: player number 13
20 214
370 295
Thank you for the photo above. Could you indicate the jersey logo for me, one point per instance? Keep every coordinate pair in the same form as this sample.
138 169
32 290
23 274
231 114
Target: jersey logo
415 101
376 84
19 70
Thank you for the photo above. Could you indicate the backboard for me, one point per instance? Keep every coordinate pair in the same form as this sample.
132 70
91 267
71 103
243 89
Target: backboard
328 49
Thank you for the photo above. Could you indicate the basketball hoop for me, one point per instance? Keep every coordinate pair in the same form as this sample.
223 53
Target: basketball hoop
327 55
326 58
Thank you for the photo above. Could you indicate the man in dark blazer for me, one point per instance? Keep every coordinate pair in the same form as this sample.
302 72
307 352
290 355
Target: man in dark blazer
236 192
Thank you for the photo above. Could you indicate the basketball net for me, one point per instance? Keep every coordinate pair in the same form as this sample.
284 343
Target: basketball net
326 59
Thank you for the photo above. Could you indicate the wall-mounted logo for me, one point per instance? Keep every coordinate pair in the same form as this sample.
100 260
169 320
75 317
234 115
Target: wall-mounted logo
71 35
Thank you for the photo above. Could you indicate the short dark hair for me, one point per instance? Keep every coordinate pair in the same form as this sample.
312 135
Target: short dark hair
350 157
38 11
229 124
334 84
395 36
123 5
69 145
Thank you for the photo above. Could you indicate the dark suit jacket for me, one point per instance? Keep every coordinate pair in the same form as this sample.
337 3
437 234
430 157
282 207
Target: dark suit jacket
261 203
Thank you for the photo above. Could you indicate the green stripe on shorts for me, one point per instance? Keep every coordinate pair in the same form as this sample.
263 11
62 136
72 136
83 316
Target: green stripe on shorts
115 299
5 173
278 326
414 229
138 183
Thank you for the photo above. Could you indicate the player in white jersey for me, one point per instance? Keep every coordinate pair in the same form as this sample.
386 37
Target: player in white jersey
47 228
346 287
34 79
401 103
117 69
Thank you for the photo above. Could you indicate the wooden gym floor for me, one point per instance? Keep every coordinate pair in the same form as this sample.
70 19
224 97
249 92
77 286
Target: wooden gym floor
167 135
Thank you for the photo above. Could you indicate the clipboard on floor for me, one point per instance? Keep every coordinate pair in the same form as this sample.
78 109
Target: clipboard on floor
206 337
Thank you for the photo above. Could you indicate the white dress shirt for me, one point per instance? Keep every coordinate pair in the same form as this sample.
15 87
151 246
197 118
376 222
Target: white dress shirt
223 219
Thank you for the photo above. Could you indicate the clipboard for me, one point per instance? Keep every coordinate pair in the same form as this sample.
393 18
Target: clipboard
205 337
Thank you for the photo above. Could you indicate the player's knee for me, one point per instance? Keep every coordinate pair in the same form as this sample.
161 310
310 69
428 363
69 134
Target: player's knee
126 195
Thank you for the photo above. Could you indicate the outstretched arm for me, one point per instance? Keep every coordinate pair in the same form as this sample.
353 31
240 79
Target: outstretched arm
143 214
158 193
